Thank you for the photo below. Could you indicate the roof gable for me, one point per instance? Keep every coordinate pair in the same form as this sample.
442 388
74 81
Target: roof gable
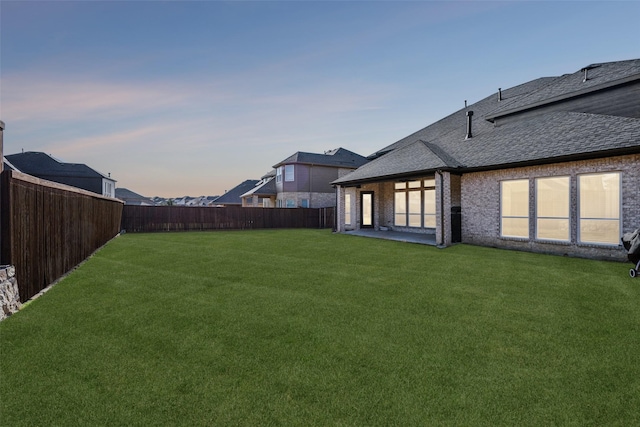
266 188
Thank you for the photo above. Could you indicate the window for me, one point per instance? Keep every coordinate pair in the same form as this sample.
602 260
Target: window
279 203
514 208
304 203
599 208
400 209
552 208
290 203
414 203
347 209
279 174
288 173
430 208
108 189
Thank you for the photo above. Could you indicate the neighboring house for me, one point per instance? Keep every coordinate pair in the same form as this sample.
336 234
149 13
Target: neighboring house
232 197
6 165
131 198
304 179
263 195
77 175
552 165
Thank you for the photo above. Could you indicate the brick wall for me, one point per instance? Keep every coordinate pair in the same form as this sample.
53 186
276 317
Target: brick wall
480 199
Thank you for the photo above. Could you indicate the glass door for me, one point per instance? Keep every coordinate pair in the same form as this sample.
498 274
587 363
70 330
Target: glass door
366 213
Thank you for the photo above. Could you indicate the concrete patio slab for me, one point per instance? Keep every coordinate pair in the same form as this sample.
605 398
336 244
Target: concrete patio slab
419 238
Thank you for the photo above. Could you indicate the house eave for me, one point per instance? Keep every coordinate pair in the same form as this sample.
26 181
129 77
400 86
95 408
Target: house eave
483 168
397 177
558 159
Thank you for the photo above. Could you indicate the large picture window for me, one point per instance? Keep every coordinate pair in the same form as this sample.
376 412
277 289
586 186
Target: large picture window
414 203
514 208
552 208
599 208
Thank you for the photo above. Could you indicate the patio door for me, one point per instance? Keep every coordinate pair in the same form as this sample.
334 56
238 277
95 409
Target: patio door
366 211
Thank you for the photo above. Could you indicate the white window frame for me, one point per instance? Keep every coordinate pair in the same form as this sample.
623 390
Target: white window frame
279 174
503 216
613 242
539 217
289 173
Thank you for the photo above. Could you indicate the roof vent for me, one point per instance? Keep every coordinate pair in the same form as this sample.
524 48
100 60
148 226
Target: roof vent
499 94
469 116
586 71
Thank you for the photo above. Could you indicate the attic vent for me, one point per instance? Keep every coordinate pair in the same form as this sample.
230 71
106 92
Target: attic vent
469 116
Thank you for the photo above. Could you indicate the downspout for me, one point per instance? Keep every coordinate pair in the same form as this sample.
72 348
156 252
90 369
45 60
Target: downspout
441 243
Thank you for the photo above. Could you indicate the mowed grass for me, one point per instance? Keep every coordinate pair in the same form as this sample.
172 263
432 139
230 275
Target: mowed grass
306 327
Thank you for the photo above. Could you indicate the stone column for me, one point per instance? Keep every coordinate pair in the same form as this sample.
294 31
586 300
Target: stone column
9 295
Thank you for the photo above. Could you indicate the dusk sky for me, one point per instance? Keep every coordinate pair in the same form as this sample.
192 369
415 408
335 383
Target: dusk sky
192 98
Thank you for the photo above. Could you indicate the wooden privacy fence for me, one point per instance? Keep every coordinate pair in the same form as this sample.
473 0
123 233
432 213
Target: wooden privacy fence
49 228
185 218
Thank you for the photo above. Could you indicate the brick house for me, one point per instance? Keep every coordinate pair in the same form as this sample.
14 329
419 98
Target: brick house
263 194
305 179
552 165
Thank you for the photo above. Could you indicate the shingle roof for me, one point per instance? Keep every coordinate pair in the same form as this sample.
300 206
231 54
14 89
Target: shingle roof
267 188
456 122
232 197
130 197
551 136
41 164
598 76
339 157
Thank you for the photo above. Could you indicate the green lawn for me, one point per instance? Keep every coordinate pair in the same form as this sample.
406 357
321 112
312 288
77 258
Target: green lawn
306 327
